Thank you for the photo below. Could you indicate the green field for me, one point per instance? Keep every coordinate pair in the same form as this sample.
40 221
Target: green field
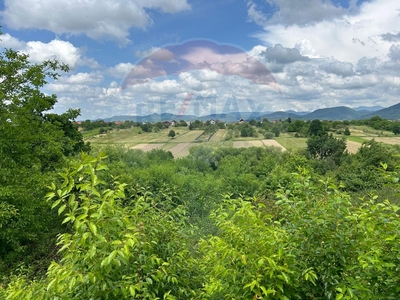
185 139
290 142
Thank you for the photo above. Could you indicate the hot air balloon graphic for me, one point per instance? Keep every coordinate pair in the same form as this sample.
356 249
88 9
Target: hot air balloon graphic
199 55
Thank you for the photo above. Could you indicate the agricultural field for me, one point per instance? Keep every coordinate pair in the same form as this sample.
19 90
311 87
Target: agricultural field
187 137
273 143
147 147
133 136
184 139
289 142
181 149
218 136
360 134
247 144
353 147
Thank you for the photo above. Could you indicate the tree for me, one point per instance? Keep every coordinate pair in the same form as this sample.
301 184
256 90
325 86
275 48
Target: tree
325 146
33 144
315 128
396 128
346 131
171 133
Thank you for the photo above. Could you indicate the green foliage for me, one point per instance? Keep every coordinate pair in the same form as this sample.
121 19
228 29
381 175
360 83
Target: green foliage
310 241
171 133
396 128
247 130
324 146
114 251
315 245
249 257
33 143
315 128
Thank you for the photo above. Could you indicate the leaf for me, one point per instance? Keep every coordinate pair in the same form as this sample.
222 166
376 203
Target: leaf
61 209
55 203
93 228
132 290
244 259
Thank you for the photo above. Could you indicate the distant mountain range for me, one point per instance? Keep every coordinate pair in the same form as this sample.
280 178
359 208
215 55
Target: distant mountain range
333 113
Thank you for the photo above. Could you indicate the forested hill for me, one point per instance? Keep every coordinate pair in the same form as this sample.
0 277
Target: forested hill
335 113
390 113
332 113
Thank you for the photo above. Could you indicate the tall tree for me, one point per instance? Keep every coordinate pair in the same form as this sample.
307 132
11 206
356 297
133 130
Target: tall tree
33 143
315 128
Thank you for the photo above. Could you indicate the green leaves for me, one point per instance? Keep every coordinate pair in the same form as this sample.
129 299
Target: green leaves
113 250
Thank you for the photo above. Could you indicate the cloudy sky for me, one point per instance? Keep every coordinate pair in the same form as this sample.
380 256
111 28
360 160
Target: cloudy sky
131 57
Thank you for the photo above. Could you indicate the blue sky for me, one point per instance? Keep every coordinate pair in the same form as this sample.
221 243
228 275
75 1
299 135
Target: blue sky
320 53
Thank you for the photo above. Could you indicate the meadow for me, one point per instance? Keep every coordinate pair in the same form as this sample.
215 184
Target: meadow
184 139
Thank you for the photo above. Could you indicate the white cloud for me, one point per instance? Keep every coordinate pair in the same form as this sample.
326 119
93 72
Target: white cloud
346 39
254 14
83 78
96 19
38 51
8 41
339 68
120 70
56 49
280 54
299 12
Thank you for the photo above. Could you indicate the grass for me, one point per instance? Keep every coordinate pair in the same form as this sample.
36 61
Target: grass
90 133
291 143
357 139
187 137
368 131
133 136
218 136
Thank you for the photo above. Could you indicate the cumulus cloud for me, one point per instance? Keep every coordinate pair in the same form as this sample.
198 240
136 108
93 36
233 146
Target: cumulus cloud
339 68
63 51
96 19
346 39
394 52
280 54
390 37
8 41
83 78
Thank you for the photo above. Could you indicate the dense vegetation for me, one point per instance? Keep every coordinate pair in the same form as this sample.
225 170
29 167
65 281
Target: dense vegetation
221 223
